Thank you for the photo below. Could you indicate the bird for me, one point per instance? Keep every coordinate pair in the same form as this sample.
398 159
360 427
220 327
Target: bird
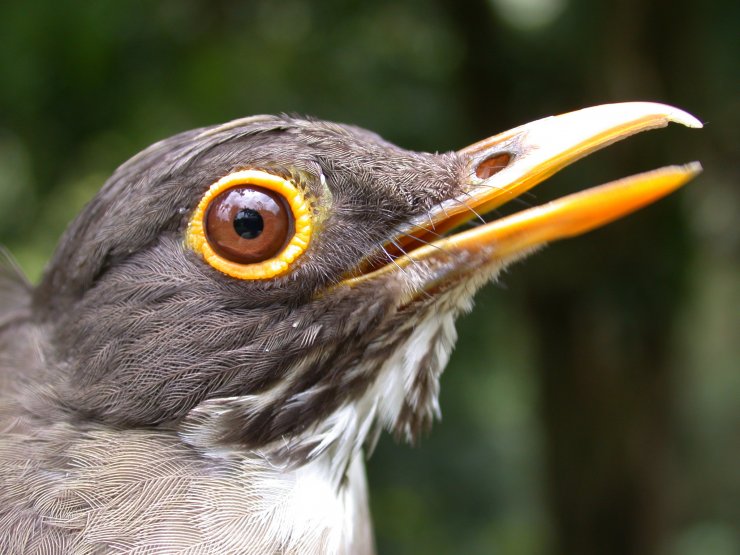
226 328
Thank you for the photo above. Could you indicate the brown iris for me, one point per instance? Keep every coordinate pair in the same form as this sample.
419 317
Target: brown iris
248 224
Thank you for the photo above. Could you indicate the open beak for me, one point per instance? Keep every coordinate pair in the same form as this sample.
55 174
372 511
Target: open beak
506 165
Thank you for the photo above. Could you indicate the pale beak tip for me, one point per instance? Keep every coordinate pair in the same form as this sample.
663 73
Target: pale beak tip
694 168
684 118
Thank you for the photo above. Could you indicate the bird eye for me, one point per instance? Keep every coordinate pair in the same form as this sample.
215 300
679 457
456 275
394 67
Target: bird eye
248 224
251 225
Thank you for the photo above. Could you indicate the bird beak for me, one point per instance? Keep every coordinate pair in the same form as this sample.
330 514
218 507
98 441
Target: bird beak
502 167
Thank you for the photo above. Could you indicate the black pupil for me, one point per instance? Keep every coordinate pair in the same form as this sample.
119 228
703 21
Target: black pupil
248 223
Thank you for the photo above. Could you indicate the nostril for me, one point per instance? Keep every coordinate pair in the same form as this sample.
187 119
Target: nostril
492 165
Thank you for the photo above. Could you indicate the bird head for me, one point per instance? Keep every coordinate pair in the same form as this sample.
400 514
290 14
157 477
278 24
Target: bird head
278 282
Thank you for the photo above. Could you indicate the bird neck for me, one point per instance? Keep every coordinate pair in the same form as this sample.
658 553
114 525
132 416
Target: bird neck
312 487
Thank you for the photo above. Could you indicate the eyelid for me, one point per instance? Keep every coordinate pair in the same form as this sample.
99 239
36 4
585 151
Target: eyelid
272 267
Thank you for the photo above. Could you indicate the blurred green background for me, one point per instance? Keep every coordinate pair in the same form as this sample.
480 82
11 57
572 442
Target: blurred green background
592 404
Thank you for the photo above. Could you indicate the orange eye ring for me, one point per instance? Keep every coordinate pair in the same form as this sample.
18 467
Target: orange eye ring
280 263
